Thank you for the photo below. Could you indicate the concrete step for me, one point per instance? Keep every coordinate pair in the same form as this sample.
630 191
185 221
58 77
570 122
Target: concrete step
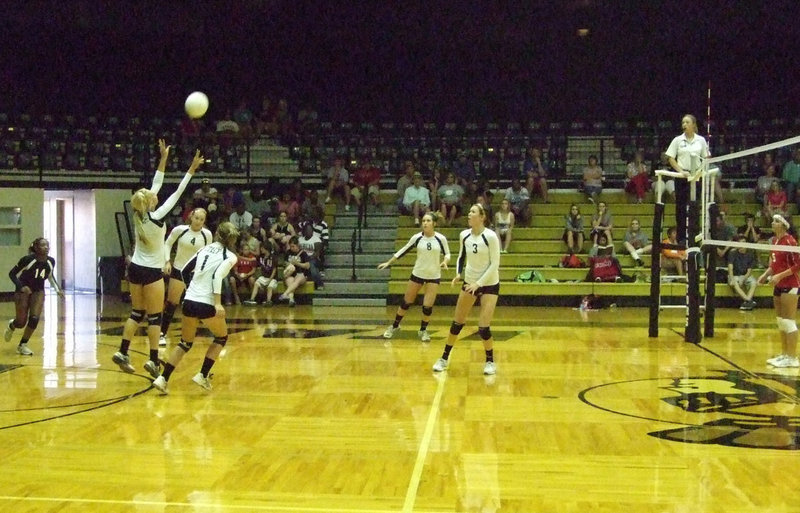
350 220
333 274
370 260
347 301
368 244
354 288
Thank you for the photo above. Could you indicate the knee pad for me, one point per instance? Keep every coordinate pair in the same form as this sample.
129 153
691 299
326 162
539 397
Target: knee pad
485 333
186 346
221 340
405 306
788 326
456 327
137 316
33 321
427 310
154 319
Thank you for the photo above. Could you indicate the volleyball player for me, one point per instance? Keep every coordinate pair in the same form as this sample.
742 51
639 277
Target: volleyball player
28 277
203 302
427 272
478 262
782 274
684 154
190 238
145 272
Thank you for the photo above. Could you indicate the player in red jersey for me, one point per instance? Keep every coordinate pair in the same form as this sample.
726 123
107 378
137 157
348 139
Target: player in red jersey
782 274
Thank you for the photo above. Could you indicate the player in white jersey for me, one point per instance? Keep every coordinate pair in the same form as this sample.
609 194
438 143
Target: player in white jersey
145 272
479 263
190 239
431 246
205 273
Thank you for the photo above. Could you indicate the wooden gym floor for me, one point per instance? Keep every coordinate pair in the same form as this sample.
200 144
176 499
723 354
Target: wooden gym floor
313 411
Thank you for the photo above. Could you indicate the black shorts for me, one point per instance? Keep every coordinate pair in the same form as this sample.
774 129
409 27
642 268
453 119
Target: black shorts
140 275
487 289
175 274
422 281
198 310
779 291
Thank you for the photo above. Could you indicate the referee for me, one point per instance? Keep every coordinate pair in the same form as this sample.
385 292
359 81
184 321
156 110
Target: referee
684 154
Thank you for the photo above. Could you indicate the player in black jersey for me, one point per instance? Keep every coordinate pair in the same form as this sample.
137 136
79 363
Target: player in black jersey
28 277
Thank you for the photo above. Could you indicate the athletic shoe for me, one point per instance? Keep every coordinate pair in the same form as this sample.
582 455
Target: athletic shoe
440 365
745 305
9 331
124 362
249 302
268 303
424 335
162 341
639 263
161 384
490 369
291 303
202 381
347 208
390 331
751 305
152 368
774 359
282 298
787 362
24 350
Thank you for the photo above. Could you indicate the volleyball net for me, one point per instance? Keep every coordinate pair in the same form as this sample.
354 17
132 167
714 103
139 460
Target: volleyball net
709 227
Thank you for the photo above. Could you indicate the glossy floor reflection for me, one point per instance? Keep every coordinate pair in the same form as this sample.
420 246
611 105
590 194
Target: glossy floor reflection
313 410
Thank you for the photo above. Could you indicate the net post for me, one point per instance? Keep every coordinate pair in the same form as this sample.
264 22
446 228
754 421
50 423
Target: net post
655 268
693 257
711 273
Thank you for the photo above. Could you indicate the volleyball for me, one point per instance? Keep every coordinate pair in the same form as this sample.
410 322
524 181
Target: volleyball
196 104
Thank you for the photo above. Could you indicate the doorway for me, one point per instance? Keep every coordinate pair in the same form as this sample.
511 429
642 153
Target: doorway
73 249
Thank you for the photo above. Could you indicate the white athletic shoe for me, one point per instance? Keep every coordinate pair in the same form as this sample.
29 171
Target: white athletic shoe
424 335
204 382
124 362
774 359
161 384
162 341
440 365
9 331
490 369
390 331
24 350
787 362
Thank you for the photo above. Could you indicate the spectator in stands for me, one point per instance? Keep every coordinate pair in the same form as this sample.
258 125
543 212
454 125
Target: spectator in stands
604 247
204 194
191 130
602 222
450 198
636 242
724 231
765 181
483 199
520 200
673 259
504 224
750 231
284 121
741 262
268 270
367 183
307 119
466 176
230 198
403 183
296 272
321 229
241 218
282 233
257 203
535 170
227 128
774 201
290 206
417 199
310 203
593 179
791 178
265 122
573 230
637 174
297 191
312 245
243 273
243 117
437 177
259 233
338 183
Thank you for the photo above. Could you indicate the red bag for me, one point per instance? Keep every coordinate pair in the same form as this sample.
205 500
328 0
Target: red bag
572 261
604 268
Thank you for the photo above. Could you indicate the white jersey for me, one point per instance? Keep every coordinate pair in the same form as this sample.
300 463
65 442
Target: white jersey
150 231
688 153
211 265
429 255
479 258
189 243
